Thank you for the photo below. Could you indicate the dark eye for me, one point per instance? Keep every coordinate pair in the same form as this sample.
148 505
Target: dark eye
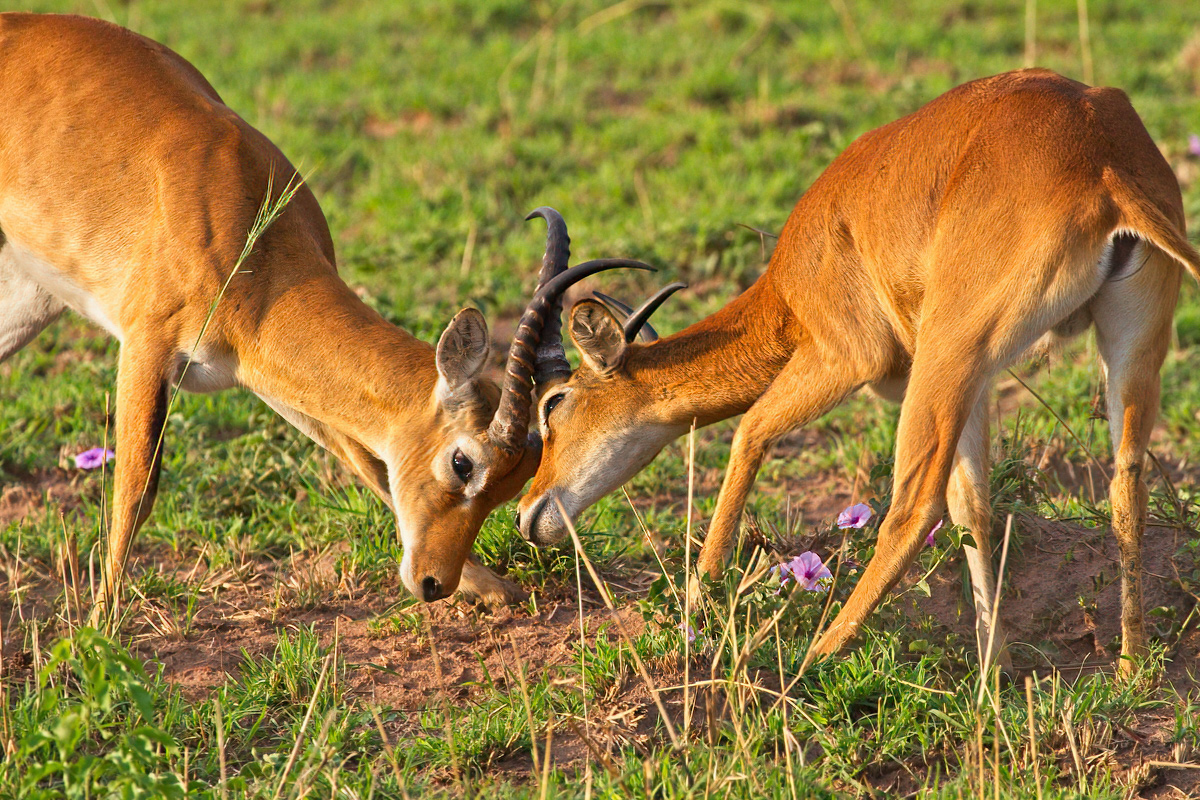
551 404
462 466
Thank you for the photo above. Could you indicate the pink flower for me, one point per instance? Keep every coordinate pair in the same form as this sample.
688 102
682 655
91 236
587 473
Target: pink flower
929 540
1194 144
855 516
94 458
807 570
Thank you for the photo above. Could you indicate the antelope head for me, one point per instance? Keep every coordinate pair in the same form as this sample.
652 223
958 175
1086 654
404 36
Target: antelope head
605 423
449 472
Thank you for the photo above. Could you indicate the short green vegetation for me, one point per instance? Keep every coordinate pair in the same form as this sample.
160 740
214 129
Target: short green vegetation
268 649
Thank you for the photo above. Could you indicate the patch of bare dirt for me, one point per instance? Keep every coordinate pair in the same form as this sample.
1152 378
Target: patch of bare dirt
390 653
35 493
1062 596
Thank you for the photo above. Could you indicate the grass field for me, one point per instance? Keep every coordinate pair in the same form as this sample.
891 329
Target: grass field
269 649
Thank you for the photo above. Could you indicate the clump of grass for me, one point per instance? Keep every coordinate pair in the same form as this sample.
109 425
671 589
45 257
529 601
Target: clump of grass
425 174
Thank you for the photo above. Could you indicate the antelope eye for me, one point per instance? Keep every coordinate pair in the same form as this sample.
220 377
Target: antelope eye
551 404
462 465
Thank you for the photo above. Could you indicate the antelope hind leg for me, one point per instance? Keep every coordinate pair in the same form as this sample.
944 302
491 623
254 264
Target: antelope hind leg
967 499
1133 330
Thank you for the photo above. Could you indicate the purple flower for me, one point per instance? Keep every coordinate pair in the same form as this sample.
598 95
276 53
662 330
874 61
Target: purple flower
1194 144
807 570
94 458
929 539
691 632
855 516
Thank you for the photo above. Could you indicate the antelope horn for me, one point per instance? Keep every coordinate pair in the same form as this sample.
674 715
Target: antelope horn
550 363
636 322
510 426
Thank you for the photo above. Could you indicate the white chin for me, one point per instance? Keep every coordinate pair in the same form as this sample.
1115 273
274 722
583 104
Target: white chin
406 574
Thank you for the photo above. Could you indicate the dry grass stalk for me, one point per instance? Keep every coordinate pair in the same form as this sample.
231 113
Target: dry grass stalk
446 715
1033 748
1085 42
1030 33
221 750
602 588
520 670
387 749
312 704
546 761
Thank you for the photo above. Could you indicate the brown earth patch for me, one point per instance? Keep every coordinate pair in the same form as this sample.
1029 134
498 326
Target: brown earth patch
1061 602
52 488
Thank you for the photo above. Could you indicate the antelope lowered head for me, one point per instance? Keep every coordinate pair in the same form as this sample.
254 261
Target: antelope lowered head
926 259
482 452
608 421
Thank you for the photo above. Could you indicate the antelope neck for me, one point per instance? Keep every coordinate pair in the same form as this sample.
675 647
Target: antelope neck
718 367
349 369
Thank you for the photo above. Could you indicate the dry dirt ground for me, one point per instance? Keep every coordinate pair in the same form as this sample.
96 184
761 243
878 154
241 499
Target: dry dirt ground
1061 608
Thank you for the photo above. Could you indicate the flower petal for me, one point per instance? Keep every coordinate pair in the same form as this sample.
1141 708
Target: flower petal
855 516
929 540
94 458
810 570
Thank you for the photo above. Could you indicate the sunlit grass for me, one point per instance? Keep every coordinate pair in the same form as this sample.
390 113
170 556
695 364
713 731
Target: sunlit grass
656 129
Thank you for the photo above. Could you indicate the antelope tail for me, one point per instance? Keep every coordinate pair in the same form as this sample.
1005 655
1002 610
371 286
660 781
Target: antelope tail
1142 217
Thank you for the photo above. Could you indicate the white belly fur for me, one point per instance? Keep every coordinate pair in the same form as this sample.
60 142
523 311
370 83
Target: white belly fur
208 372
54 282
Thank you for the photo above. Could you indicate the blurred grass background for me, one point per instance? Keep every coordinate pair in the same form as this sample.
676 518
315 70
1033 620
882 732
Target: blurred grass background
428 130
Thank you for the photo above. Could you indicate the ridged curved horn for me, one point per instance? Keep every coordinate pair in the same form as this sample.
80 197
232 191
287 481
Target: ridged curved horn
565 280
635 322
510 426
621 310
550 362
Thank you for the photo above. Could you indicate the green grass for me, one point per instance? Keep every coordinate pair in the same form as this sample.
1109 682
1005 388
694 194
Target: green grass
656 129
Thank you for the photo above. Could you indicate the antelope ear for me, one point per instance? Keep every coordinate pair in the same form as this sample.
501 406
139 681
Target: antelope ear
462 353
598 337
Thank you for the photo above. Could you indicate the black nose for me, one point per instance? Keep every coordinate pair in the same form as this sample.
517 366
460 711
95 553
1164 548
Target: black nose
431 587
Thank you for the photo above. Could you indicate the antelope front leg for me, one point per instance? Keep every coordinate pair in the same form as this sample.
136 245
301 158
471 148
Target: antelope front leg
804 390
939 400
142 393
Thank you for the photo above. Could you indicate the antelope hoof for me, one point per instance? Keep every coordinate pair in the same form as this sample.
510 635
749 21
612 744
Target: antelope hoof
1131 659
490 590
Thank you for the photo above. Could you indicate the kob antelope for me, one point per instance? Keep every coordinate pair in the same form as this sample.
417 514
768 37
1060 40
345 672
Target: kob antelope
932 253
127 189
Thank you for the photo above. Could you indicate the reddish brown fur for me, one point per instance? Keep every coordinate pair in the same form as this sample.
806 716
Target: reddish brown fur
122 169
930 254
